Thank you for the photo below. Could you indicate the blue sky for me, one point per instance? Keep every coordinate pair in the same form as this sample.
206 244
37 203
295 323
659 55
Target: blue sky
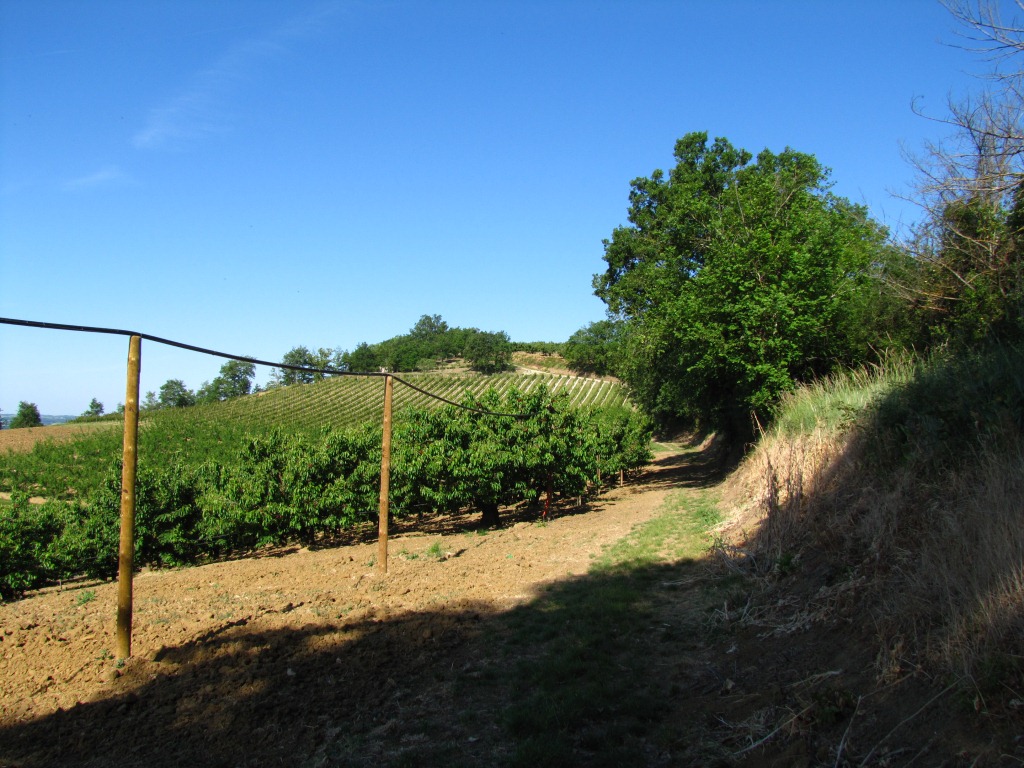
252 176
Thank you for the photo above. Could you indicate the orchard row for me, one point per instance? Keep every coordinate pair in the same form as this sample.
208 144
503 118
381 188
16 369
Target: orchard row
211 488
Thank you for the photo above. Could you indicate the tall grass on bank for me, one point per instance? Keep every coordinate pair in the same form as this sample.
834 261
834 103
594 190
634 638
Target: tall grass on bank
909 479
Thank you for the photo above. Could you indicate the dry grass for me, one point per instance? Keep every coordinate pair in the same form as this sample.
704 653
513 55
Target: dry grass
931 553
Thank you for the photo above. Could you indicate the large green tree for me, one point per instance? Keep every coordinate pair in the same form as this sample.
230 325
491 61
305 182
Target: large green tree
27 416
235 379
95 408
303 356
362 359
488 352
735 278
594 348
174 394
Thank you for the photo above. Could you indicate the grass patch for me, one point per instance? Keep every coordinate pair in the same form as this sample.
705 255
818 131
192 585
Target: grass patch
435 551
571 662
679 531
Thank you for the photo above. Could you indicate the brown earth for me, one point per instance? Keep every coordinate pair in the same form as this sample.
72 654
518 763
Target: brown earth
312 658
234 647
21 440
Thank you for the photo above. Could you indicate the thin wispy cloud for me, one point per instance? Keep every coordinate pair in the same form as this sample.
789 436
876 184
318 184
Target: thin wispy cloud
109 175
200 109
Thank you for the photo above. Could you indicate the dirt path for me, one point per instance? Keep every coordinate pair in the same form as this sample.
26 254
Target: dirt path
253 641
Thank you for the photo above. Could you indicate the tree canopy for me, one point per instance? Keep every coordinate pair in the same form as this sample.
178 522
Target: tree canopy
174 394
306 358
488 352
95 408
235 380
27 416
594 348
735 278
431 341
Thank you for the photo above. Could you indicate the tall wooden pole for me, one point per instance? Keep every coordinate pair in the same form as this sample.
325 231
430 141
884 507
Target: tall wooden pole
129 464
385 480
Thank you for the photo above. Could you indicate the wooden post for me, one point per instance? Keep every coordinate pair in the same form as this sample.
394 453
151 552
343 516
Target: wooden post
385 480
129 465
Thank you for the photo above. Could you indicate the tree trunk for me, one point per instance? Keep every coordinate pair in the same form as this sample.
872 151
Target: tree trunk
490 518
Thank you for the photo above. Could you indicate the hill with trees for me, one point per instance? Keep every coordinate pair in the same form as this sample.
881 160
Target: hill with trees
428 345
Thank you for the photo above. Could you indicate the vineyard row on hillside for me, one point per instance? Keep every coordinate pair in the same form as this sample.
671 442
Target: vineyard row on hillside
349 400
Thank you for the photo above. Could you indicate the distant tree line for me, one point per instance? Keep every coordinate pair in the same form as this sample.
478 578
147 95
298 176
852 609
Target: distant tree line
429 344
539 347
236 379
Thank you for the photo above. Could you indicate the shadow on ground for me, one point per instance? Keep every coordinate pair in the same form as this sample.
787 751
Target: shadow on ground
562 680
665 665
553 682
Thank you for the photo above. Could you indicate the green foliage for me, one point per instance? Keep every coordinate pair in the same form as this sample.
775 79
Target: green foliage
948 410
45 543
622 439
361 359
27 416
267 478
594 348
25 533
429 327
488 352
835 402
453 458
235 380
302 356
933 412
211 431
734 280
428 343
969 279
435 551
174 394
94 410
538 347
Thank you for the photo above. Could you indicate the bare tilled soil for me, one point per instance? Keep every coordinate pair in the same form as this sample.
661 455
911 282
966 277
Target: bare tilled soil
19 440
261 660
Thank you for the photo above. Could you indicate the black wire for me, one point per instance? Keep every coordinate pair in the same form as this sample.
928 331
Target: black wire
253 360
